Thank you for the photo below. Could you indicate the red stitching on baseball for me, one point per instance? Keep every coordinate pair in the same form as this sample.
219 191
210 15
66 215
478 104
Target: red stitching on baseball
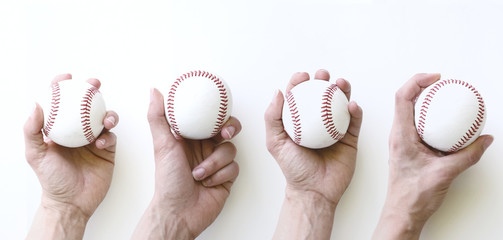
56 97
224 103
224 99
170 104
292 105
326 111
85 113
472 129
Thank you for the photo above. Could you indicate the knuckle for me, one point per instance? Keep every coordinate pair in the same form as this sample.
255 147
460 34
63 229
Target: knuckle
400 94
229 148
150 117
212 165
235 165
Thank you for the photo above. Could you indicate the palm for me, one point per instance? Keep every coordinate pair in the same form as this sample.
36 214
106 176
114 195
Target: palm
80 176
327 171
195 203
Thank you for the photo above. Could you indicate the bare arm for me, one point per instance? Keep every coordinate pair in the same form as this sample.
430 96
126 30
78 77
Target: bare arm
63 222
74 180
419 177
193 178
305 216
316 179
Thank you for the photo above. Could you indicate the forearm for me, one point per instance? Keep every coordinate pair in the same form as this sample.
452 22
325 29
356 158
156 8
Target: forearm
396 224
404 213
155 224
305 216
64 222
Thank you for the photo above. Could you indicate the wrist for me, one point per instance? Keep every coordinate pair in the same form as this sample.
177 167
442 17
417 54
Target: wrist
305 215
64 209
310 199
404 213
159 223
58 221
411 196
396 223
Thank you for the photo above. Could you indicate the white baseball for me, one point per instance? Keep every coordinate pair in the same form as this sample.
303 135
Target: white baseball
198 104
74 116
449 115
315 114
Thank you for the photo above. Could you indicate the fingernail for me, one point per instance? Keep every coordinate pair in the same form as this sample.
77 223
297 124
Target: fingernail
275 94
198 173
230 131
111 120
488 142
207 182
151 94
32 110
102 142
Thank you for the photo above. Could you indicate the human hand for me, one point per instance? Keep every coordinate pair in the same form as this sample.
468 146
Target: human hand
74 180
193 178
326 171
419 176
316 178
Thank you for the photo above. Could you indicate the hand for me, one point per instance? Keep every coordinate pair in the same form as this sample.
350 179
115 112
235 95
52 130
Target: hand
193 178
72 179
325 171
419 176
321 174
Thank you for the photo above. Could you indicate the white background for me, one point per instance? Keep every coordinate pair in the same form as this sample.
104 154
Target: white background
132 46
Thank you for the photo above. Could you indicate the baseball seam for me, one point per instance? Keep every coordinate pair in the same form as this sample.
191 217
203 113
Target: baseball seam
51 117
85 113
223 106
473 128
326 113
294 111
224 103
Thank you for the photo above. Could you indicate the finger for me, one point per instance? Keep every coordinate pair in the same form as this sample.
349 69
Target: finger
470 155
230 129
355 123
228 174
111 120
228 185
274 128
104 147
296 79
222 156
34 139
159 127
322 74
107 141
345 86
61 77
95 82
404 101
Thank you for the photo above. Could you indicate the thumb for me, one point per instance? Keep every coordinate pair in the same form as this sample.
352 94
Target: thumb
159 127
472 154
273 120
33 137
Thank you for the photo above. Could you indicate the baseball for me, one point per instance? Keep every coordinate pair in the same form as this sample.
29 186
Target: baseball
74 116
449 115
315 114
198 104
